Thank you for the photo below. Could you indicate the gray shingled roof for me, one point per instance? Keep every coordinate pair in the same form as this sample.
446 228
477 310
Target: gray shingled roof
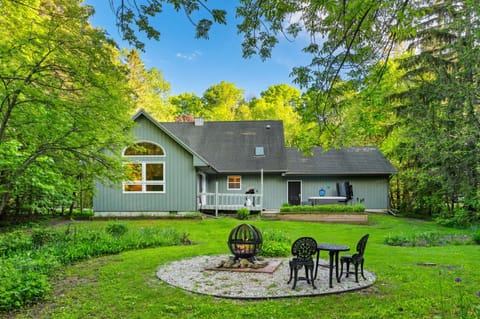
230 146
367 160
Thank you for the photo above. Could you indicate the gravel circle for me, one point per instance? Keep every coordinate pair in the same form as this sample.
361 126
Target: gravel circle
192 275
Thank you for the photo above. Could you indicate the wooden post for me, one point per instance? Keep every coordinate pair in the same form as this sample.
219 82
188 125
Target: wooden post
216 199
261 188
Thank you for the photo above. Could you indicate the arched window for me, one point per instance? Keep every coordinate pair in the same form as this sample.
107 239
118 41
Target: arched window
144 149
145 176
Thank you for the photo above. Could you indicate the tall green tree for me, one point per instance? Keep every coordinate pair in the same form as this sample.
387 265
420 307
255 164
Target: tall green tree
344 38
441 111
63 103
222 101
151 91
188 104
279 102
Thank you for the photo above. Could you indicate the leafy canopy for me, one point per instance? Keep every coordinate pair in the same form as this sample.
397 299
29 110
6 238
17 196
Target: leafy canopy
64 102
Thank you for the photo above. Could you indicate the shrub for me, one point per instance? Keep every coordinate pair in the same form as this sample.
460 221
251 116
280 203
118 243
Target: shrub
117 230
86 213
476 237
458 218
243 213
24 279
274 249
43 236
27 262
426 239
20 288
275 244
324 208
14 242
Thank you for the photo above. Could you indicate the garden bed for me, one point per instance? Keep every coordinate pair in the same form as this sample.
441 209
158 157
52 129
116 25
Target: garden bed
345 218
348 214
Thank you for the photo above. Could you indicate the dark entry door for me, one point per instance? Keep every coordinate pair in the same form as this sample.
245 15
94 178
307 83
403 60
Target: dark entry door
294 192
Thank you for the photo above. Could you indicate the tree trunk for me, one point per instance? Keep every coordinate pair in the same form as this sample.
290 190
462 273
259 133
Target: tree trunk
3 204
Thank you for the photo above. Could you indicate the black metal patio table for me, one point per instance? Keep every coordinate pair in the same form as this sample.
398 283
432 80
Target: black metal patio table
333 251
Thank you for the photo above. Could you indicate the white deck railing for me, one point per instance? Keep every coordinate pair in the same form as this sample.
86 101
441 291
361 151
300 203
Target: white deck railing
222 201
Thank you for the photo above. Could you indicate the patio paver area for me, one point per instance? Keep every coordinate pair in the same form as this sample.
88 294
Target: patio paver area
193 275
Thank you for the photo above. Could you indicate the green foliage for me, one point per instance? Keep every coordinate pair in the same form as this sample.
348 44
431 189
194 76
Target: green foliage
411 288
188 104
358 208
43 236
276 243
275 249
454 293
437 149
280 102
85 213
224 101
117 229
24 280
45 80
221 101
243 213
129 13
458 218
14 242
476 237
29 259
426 239
149 88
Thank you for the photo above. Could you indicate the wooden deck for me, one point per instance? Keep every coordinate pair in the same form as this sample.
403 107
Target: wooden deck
229 202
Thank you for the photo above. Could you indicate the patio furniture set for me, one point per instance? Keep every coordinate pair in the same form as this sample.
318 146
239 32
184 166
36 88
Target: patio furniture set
245 242
305 248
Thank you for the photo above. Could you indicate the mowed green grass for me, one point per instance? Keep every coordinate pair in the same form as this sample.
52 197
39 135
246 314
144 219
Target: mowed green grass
413 282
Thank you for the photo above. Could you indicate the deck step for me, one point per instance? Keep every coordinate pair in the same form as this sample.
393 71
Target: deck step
269 215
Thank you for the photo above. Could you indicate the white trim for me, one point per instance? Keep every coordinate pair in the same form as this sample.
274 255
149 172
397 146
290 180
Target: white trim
202 187
148 156
234 189
144 183
170 134
139 213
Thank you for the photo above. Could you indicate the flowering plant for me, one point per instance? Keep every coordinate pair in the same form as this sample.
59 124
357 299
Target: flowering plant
461 304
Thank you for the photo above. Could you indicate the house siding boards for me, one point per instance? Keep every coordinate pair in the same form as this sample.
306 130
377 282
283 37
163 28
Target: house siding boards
274 187
180 179
370 191
365 168
220 149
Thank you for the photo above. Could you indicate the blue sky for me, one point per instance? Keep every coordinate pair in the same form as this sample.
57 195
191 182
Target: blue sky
193 65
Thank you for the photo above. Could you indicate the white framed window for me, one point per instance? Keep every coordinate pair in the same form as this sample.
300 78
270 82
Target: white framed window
145 177
234 182
144 148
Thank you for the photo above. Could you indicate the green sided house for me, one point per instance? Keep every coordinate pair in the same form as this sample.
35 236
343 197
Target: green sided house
223 166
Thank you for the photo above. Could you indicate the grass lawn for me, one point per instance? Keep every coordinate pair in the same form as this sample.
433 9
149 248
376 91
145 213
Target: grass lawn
413 282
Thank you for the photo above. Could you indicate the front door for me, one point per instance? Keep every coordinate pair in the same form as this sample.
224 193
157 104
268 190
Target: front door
294 192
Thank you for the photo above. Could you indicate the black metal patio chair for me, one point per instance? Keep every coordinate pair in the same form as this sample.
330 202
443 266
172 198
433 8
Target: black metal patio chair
302 250
356 259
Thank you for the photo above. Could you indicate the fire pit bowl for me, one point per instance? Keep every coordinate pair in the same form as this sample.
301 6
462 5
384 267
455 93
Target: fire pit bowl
245 241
